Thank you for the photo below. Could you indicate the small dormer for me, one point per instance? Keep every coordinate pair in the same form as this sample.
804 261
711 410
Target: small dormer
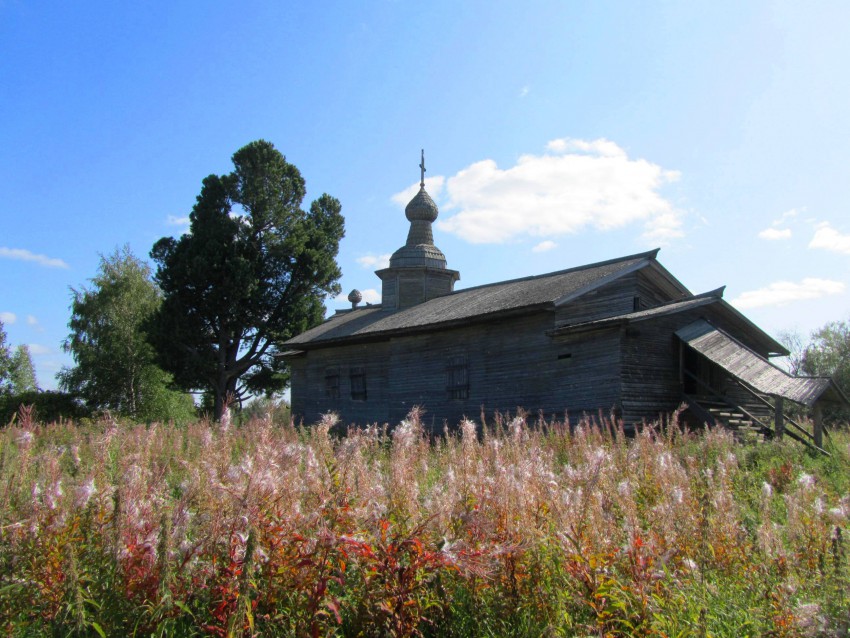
417 270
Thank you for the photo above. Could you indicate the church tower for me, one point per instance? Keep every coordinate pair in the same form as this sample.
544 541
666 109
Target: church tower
417 270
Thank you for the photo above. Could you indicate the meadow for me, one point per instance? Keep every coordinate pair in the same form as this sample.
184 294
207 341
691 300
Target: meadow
502 528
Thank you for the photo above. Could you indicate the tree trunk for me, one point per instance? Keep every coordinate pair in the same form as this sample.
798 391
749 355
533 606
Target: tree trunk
225 393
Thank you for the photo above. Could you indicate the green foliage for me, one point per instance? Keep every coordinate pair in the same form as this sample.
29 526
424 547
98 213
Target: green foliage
252 272
5 363
263 407
23 372
115 368
17 373
162 403
828 354
47 406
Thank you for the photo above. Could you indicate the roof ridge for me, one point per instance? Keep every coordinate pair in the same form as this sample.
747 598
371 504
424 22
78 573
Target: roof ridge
716 293
649 254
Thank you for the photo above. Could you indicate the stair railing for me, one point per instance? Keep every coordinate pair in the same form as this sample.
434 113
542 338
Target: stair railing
766 428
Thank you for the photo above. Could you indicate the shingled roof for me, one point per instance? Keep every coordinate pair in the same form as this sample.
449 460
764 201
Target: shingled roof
473 304
713 298
754 370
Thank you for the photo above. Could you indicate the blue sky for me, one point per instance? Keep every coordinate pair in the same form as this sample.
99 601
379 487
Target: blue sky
556 134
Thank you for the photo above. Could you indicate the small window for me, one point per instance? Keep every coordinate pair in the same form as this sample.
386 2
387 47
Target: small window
636 304
332 383
565 355
358 384
457 378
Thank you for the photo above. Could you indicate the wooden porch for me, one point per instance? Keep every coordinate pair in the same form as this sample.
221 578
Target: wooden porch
757 417
726 384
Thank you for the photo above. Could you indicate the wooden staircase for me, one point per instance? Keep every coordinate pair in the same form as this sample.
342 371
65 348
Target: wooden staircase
751 419
749 423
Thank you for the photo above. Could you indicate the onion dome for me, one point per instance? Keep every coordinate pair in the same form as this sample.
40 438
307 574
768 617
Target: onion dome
419 250
421 207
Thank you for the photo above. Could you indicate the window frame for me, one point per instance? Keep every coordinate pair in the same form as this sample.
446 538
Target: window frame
332 390
457 378
357 381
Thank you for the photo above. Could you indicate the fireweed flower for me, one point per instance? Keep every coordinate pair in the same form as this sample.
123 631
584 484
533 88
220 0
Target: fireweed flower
837 515
806 481
85 492
53 494
24 439
517 429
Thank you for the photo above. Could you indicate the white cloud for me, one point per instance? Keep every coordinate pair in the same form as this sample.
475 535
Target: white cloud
434 186
788 214
827 238
25 255
544 246
374 261
602 147
8 318
524 91
783 292
173 220
775 234
370 295
37 348
577 184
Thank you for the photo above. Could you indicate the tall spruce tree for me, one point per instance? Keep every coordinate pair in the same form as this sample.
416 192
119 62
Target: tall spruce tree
252 272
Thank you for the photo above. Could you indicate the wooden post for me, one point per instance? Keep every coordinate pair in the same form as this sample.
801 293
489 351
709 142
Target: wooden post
818 419
779 417
681 367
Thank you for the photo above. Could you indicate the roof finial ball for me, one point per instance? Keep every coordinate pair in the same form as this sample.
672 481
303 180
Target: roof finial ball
355 298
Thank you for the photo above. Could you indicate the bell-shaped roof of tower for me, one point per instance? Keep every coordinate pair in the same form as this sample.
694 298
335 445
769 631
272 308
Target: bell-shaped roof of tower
421 207
419 250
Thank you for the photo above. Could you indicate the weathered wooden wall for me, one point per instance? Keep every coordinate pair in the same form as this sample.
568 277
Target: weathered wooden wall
511 364
630 369
650 363
635 291
309 370
650 368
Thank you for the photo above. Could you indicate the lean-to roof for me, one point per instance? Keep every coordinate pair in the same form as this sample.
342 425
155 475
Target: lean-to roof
754 370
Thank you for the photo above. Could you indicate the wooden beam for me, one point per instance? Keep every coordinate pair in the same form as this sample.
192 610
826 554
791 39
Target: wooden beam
818 419
779 417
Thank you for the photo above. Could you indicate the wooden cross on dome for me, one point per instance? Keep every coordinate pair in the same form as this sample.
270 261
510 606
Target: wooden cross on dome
422 168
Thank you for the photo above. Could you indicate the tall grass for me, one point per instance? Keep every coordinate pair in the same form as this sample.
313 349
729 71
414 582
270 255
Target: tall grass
508 529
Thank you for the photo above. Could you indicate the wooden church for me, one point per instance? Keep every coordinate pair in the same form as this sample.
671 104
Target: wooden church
621 336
